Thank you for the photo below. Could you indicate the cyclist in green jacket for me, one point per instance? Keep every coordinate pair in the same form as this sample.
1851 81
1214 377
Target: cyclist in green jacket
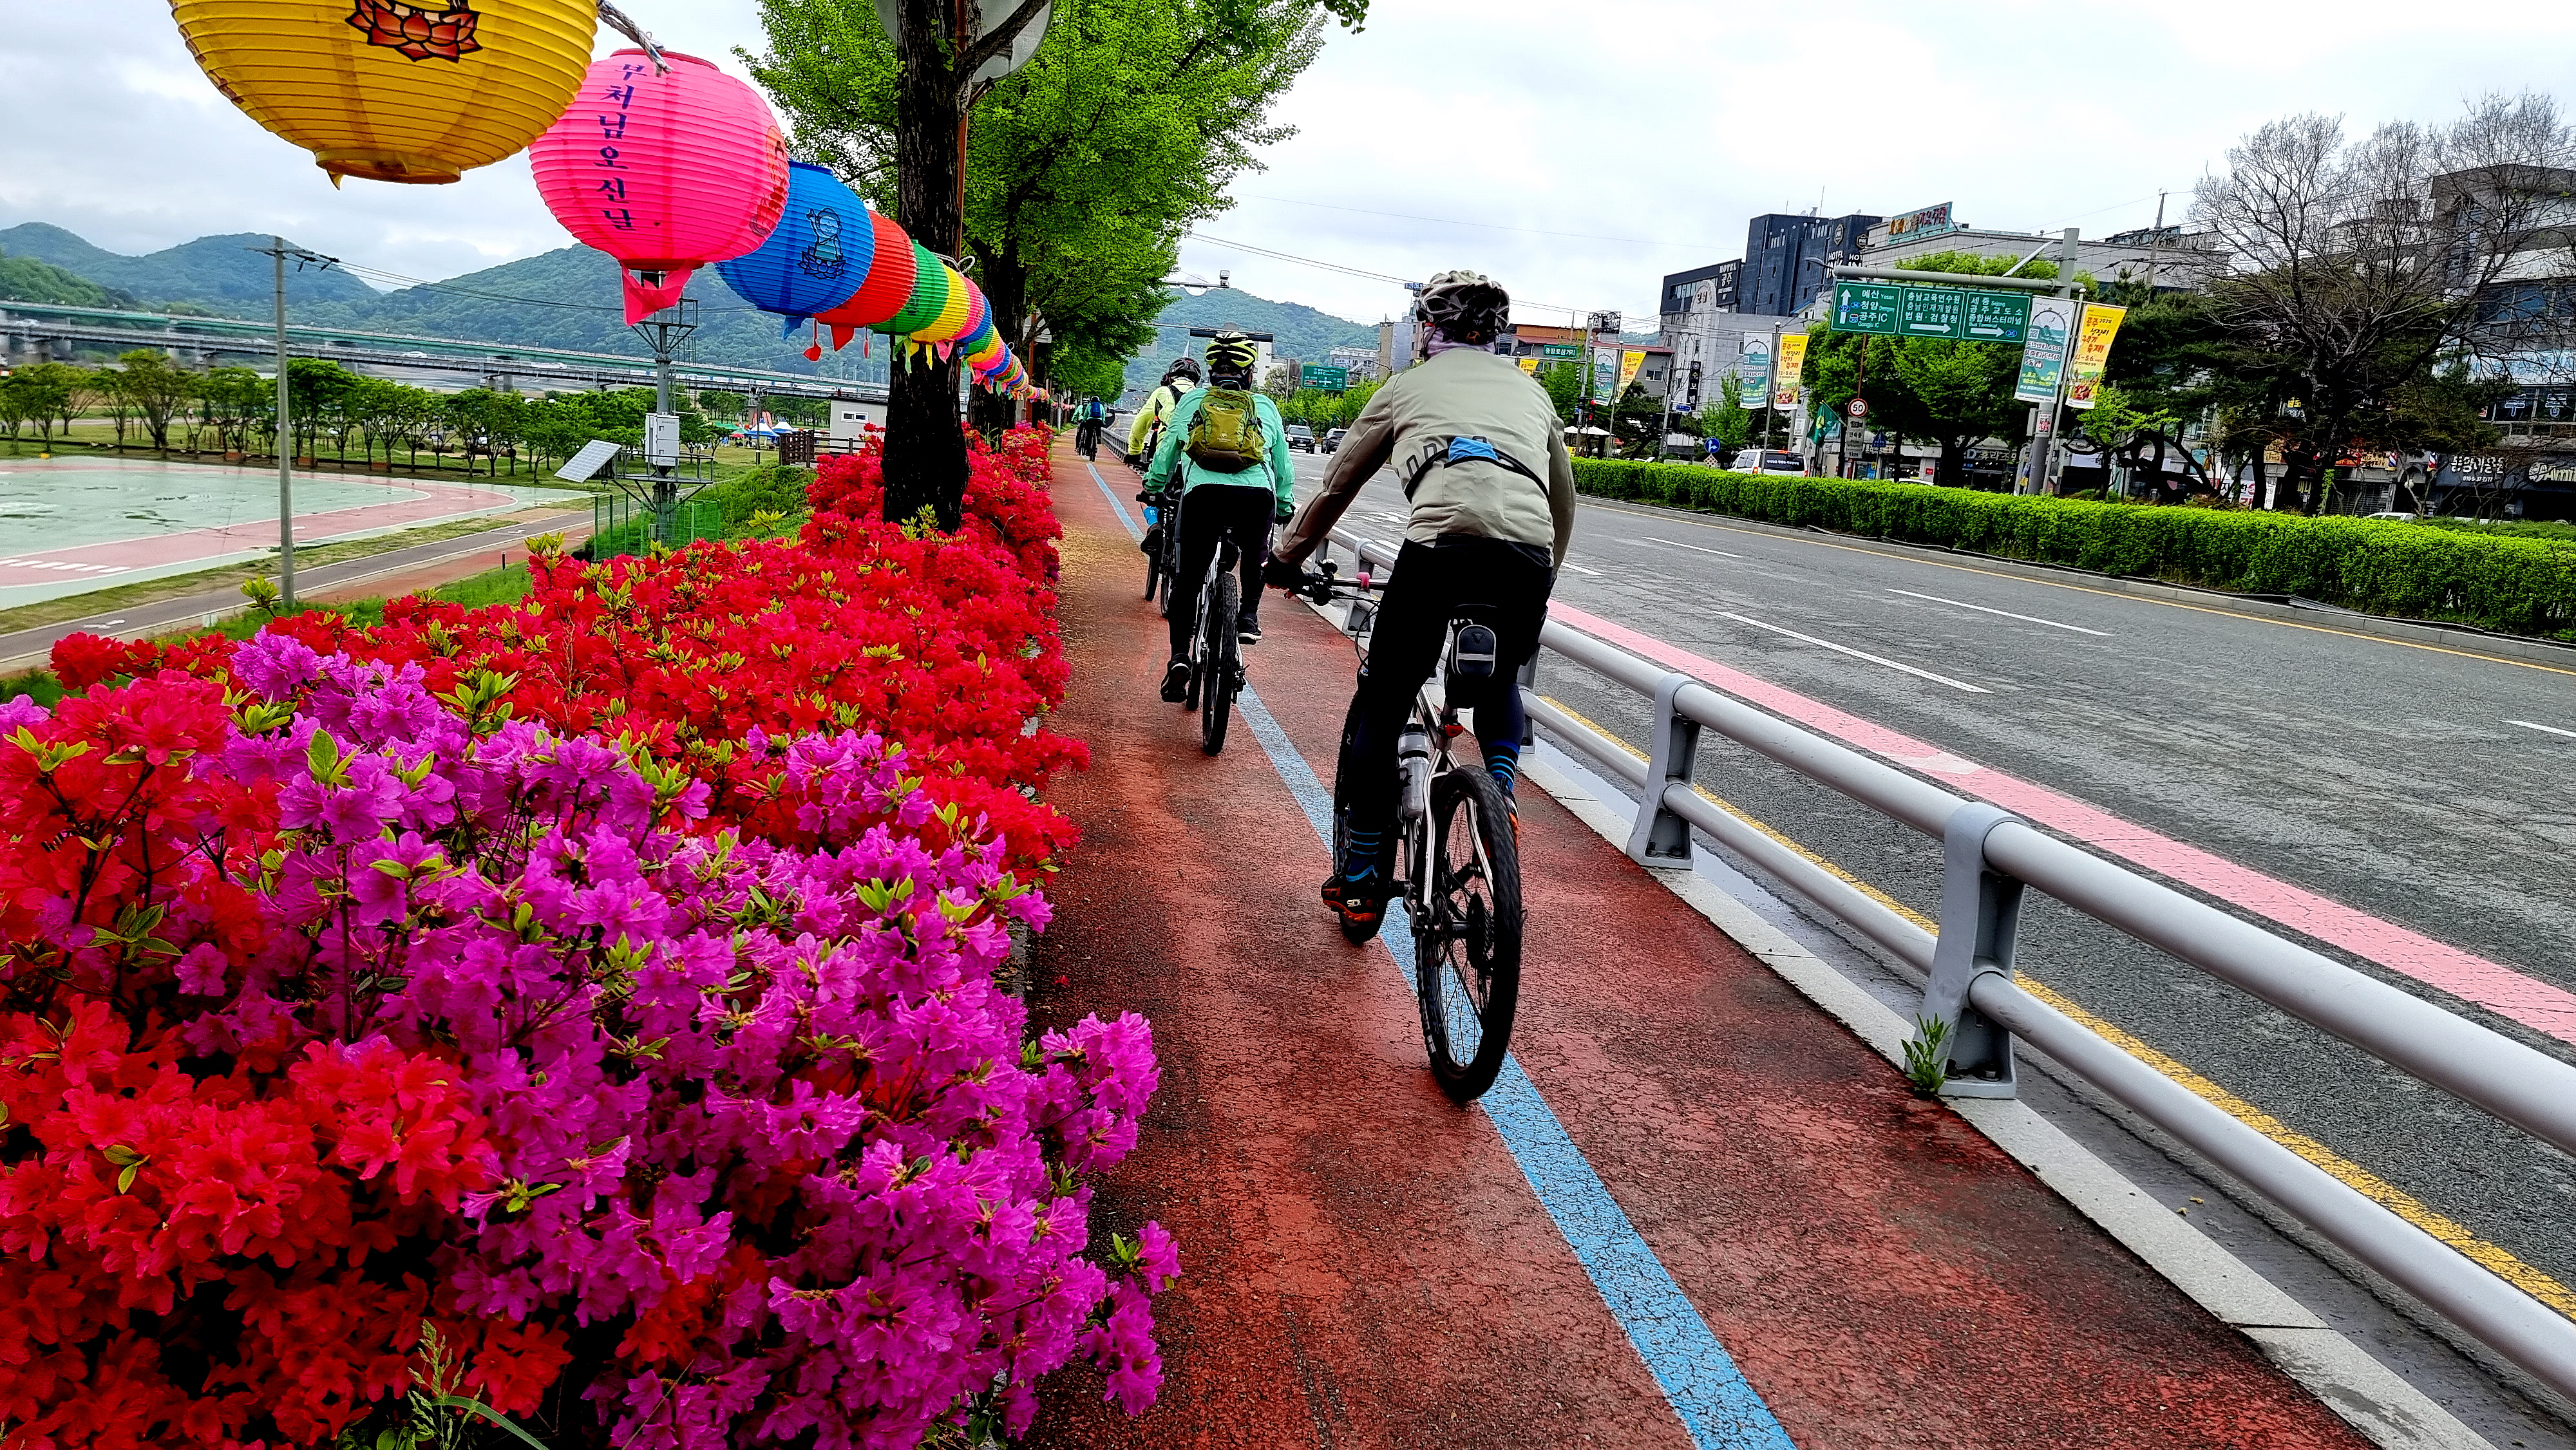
1483 462
1225 452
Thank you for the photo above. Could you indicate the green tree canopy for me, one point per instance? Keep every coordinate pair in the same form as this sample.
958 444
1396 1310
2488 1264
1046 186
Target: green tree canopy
1084 166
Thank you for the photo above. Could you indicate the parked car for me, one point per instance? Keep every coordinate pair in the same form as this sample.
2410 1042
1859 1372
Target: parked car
1301 436
2397 517
1768 460
1333 440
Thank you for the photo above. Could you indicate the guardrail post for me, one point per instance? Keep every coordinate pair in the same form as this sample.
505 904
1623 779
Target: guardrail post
1528 681
1661 838
1980 916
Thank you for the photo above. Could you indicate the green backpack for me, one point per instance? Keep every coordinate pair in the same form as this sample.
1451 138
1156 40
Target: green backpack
1225 435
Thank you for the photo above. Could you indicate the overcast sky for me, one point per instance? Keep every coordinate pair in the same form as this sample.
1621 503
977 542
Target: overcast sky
1576 152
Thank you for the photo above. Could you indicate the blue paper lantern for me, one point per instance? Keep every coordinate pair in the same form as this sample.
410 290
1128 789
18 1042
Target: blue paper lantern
817 257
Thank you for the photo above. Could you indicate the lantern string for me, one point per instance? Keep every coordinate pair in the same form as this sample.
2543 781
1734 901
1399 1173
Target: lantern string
615 19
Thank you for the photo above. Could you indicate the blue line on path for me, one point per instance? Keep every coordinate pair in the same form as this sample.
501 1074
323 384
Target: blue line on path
1698 1377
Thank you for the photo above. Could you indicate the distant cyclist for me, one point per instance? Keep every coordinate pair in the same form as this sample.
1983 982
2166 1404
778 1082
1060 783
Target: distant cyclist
1089 418
1225 454
1482 458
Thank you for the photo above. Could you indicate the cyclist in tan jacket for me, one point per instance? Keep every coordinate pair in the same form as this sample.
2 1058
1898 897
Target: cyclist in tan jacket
1482 458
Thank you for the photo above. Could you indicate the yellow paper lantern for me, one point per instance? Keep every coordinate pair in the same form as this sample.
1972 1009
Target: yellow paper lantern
395 90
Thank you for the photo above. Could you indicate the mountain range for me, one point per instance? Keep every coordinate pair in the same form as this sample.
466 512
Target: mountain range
567 298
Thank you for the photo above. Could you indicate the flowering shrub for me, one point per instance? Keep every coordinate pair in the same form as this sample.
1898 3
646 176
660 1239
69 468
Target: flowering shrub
350 993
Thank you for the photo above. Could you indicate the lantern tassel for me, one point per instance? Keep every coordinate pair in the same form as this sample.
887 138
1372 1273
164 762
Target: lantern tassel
643 298
841 338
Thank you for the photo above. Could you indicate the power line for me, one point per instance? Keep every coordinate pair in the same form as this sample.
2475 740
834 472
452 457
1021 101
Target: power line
1489 226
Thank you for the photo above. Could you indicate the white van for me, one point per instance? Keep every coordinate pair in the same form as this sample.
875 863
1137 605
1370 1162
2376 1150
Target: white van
1768 460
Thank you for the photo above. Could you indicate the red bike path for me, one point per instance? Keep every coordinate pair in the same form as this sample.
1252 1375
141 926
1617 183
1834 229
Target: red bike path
1366 1264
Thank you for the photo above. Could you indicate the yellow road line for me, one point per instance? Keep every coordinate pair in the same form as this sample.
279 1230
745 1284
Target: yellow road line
2122 594
2491 1257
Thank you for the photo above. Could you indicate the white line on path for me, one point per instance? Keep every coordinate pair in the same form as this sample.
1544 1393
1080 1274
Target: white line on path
2006 613
2535 725
1579 569
1858 654
1694 548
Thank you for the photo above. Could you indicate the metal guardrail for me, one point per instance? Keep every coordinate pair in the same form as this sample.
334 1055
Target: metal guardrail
1989 857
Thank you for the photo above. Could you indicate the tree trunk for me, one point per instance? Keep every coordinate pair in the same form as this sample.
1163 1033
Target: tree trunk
1952 470
925 451
1006 290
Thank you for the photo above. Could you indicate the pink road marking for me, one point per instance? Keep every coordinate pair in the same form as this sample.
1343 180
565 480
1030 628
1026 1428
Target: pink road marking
2492 985
440 500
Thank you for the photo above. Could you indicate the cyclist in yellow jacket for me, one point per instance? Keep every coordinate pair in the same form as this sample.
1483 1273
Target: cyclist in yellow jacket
1178 379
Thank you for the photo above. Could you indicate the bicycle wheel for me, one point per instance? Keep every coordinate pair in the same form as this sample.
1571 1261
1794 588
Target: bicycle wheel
1153 573
1220 657
1467 932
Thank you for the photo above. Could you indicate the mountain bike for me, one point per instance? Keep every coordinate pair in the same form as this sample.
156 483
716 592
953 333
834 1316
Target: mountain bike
1455 858
1162 545
1216 654
1086 438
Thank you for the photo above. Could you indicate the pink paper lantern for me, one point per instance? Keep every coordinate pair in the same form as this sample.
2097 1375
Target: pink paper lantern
665 171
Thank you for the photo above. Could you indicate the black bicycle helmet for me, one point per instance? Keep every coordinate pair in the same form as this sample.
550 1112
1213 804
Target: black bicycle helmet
1232 353
1183 366
1467 307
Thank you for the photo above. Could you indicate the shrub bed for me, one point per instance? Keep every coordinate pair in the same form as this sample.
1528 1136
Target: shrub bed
594 994
2518 585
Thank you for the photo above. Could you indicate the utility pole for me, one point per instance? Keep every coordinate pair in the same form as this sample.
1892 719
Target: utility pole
278 251
665 330
2057 405
285 449
2155 244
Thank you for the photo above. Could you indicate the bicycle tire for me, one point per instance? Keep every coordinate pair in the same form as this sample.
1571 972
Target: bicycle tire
1153 573
1467 933
1220 656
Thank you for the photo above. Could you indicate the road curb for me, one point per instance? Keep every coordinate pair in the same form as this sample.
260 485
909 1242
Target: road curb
2366 1394
2507 648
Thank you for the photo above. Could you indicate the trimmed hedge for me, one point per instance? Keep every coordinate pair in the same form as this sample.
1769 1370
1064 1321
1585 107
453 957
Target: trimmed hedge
2515 585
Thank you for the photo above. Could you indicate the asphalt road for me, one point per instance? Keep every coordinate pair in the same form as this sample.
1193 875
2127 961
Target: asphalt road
2382 776
140 621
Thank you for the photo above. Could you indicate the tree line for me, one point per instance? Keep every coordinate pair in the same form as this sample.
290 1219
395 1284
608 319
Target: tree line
153 402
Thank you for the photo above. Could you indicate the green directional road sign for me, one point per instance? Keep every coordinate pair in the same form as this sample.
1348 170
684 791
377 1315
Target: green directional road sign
1331 380
1866 307
1559 349
1928 312
1969 314
1994 316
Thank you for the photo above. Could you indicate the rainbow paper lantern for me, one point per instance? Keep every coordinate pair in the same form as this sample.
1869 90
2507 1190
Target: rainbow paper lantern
958 305
816 257
665 171
423 91
892 270
929 294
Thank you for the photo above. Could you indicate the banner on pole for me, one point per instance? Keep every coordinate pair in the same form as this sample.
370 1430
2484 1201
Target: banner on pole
1605 372
1753 371
2093 334
1792 363
2043 352
1629 361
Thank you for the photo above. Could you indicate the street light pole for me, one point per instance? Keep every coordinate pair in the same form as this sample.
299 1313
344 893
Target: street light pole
285 449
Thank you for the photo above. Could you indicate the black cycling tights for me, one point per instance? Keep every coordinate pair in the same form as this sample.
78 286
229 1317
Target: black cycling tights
1210 512
1431 582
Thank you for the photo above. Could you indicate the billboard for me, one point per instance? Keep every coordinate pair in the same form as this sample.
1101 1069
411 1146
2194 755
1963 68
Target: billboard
1931 221
1793 362
2093 334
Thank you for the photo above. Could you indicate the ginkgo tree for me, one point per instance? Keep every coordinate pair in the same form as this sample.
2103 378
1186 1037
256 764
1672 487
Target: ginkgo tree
1082 168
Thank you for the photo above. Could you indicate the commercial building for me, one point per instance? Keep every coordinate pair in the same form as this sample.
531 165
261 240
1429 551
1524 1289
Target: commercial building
1785 257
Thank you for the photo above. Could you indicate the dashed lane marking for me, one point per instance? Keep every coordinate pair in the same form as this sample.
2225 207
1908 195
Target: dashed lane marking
1579 569
1694 548
2494 1258
2536 725
1857 654
2006 613
1716 1405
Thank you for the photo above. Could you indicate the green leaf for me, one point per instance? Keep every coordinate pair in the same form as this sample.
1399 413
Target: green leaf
323 756
477 1407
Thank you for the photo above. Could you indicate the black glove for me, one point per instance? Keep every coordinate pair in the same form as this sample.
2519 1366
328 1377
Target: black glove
1280 574
1284 513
